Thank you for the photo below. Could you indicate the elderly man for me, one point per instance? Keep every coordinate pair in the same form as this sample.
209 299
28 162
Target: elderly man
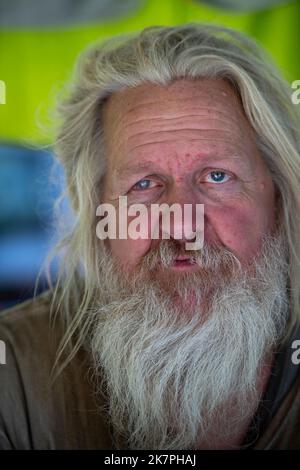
142 343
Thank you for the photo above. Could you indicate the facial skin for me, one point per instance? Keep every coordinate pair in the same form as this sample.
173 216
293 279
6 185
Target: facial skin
169 145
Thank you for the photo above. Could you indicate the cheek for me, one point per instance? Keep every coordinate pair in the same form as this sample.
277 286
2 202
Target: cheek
129 252
241 227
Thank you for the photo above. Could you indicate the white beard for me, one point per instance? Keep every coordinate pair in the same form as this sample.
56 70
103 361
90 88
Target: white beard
177 378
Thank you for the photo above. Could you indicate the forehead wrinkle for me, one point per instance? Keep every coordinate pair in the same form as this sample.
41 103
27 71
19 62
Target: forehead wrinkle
183 129
122 123
166 110
134 132
180 139
212 114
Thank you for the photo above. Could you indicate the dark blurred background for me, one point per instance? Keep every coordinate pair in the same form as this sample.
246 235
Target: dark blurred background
39 42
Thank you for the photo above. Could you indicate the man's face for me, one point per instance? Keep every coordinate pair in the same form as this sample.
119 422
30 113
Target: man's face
188 143
185 347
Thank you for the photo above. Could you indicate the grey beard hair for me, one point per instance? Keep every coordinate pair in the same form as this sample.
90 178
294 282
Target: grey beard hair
182 371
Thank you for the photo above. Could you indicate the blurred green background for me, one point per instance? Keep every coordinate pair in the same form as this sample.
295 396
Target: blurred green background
36 58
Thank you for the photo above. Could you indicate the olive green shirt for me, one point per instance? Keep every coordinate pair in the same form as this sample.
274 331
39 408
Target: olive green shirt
38 414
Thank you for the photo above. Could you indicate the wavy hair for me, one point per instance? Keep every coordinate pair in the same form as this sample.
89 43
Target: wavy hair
160 55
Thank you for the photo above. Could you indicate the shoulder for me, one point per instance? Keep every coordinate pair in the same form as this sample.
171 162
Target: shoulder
25 363
283 430
33 310
25 330
36 413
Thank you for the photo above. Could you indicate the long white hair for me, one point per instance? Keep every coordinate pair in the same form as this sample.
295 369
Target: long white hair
160 55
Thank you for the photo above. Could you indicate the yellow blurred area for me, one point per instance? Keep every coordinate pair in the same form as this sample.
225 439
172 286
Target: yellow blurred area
35 63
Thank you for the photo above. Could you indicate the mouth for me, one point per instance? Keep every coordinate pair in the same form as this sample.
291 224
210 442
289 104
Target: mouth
184 263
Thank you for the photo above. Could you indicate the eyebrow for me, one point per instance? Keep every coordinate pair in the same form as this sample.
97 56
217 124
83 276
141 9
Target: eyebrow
136 168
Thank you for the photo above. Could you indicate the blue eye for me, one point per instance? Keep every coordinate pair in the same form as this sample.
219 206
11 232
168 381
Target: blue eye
142 184
218 177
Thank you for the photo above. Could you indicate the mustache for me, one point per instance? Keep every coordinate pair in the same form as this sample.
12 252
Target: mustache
209 257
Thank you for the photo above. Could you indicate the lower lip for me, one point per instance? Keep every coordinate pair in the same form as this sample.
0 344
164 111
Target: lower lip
184 266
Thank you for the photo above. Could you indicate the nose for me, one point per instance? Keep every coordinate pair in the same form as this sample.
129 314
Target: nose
181 218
